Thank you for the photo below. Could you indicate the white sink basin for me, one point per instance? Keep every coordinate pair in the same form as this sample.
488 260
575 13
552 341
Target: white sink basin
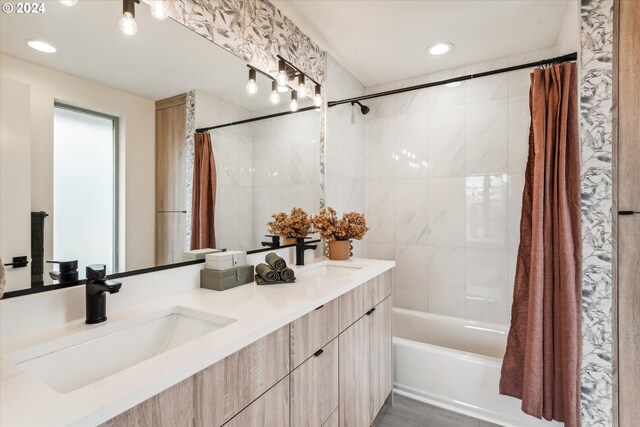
330 271
70 363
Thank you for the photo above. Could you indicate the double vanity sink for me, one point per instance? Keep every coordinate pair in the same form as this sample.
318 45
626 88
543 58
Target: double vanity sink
73 362
87 374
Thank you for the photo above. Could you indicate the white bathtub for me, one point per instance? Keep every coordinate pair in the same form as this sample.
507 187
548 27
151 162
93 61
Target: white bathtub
454 364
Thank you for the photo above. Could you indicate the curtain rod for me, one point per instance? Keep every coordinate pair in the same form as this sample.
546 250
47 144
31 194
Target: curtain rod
569 57
255 119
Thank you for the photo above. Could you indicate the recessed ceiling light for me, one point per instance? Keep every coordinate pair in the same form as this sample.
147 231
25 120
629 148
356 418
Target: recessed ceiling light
453 84
41 46
440 48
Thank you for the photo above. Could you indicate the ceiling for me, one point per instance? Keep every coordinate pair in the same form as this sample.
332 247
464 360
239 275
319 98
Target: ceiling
162 60
382 41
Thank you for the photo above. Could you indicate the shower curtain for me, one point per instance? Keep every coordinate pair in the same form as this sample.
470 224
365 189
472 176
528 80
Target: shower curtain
203 233
541 365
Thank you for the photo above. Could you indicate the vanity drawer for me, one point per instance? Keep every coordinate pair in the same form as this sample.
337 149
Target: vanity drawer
313 331
270 409
230 385
354 304
314 388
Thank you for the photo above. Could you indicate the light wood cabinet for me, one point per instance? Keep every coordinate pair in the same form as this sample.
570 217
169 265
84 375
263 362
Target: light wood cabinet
313 331
354 304
227 387
171 178
380 349
305 374
270 409
365 366
314 388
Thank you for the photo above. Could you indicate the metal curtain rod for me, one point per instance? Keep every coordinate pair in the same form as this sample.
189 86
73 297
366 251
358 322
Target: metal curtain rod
255 119
569 57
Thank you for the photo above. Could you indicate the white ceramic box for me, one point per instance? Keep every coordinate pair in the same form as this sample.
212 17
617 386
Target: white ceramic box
225 260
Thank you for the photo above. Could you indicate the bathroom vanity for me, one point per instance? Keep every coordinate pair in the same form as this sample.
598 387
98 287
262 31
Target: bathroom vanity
313 353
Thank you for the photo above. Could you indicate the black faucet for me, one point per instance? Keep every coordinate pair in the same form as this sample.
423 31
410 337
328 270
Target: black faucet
300 248
96 290
274 243
67 271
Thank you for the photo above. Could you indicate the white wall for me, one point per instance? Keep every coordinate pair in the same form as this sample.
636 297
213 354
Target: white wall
345 145
15 180
137 150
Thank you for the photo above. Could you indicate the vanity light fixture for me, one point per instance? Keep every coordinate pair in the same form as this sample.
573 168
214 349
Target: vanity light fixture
127 23
41 46
440 48
69 2
317 97
252 86
293 105
159 9
302 88
282 73
275 96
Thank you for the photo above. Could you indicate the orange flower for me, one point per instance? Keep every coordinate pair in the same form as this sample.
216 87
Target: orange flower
352 225
297 224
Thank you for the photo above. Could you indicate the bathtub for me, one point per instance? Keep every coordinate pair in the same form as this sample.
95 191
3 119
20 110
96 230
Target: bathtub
454 364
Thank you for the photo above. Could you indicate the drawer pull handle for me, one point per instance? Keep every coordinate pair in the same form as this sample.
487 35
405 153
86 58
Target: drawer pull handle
320 307
368 313
318 353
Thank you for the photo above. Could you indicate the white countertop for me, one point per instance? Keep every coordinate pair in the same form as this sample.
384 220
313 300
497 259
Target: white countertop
259 310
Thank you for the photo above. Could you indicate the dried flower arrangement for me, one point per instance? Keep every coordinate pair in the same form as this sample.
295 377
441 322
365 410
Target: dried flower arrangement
352 225
296 224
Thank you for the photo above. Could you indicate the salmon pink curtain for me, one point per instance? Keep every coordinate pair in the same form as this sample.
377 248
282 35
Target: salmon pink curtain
203 233
542 361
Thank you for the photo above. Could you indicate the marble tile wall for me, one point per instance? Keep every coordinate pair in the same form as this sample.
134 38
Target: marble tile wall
345 150
285 168
444 179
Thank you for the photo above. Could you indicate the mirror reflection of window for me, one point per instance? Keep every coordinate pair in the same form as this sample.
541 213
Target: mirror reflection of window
85 187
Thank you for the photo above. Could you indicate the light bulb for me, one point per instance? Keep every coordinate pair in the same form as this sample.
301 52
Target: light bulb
275 96
159 9
281 78
317 97
293 105
252 87
302 89
69 2
128 24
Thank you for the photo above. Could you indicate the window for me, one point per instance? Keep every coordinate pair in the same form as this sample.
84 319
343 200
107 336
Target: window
85 149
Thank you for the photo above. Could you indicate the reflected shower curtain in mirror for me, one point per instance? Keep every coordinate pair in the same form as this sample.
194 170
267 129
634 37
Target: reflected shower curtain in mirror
541 365
203 233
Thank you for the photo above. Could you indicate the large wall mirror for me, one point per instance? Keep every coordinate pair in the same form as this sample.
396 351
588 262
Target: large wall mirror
97 143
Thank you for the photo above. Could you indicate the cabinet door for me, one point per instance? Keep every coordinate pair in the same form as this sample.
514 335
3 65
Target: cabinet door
269 410
314 388
313 331
355 360
171 163
380 348
170 232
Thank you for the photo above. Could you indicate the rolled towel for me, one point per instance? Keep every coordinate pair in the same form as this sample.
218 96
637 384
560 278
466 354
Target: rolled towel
287 275
266 272
276 262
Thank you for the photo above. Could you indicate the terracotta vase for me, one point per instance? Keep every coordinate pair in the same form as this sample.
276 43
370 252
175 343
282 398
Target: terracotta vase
287 240
339 250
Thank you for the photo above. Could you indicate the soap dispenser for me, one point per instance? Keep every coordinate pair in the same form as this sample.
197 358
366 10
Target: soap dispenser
68 271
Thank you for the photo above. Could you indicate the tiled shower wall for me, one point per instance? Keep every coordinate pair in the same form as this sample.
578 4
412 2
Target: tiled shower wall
444 179
345 159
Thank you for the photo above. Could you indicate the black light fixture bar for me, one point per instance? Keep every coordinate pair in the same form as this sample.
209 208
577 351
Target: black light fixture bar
569 57
255 119
298 70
